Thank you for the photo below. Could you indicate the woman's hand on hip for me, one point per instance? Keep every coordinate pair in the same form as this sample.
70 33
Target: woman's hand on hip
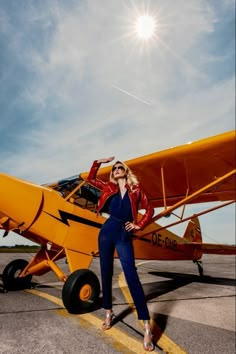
106 160
129 226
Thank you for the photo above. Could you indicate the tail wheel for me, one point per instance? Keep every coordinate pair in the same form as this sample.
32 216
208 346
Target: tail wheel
10 275
81 291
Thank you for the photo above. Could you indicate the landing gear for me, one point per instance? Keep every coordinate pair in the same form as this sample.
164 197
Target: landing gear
81 291
10 276
200 268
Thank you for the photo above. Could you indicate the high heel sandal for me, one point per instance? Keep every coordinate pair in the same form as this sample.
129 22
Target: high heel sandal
108 321
148 345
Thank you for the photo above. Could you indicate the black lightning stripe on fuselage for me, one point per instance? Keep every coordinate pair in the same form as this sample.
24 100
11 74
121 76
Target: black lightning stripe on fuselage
64 217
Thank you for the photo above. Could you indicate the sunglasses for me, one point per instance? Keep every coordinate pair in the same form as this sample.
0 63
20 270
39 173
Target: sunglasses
118 168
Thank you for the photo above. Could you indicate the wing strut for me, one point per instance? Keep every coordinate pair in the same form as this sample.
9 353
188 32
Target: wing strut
188 218
193 195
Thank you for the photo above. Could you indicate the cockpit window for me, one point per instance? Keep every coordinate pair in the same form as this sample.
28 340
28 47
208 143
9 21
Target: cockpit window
86 197
78 192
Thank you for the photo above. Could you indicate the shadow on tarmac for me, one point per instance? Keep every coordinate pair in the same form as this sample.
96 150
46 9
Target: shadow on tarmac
152 291
190 278
156 289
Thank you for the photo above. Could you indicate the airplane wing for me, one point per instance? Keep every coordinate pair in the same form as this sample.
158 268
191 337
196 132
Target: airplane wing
202 171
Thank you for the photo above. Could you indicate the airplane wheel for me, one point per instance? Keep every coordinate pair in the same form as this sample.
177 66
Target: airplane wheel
10 278
81 291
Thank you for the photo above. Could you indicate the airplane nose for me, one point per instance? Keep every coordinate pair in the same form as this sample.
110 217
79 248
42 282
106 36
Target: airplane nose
20 200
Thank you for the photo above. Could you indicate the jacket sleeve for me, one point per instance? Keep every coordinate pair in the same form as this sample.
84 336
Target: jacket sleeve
145 204
93 174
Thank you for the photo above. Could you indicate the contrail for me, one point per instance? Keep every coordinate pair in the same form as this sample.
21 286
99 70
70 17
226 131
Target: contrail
130 94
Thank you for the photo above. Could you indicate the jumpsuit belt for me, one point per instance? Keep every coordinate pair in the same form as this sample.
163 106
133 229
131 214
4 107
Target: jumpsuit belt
125 235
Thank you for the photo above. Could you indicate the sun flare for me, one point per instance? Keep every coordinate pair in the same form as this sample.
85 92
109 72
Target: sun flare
145 26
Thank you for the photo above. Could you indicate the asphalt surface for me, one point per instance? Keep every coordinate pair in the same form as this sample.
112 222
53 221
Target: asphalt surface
190 314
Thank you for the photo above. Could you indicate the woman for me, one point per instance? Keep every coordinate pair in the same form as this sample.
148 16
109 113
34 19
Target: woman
121 197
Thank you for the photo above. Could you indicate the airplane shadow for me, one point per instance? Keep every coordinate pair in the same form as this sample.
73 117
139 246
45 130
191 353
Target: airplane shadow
152 291
190 278
41 286
158 288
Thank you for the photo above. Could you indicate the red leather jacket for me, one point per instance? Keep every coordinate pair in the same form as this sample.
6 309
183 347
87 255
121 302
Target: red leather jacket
137 197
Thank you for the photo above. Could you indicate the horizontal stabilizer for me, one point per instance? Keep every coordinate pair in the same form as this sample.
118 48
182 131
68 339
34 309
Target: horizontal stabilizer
211 248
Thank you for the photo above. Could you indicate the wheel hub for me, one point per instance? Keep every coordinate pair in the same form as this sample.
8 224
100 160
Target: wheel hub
85 292
17 273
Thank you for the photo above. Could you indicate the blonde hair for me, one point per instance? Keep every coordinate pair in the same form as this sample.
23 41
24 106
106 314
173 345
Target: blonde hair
130 176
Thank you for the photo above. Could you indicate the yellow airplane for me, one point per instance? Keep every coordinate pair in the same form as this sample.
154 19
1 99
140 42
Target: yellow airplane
61 217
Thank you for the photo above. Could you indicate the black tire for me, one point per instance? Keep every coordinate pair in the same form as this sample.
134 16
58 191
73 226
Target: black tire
10 278
81 291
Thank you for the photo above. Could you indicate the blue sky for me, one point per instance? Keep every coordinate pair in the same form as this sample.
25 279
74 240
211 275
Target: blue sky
76 84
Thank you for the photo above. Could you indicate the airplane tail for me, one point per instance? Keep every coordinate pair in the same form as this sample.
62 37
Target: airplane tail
193 231
193 235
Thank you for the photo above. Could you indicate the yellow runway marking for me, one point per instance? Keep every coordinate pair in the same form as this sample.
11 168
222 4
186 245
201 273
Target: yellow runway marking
49 297
144 262
165 343
117 335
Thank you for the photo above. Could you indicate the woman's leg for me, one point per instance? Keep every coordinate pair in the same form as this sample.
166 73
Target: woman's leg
106 251
126 256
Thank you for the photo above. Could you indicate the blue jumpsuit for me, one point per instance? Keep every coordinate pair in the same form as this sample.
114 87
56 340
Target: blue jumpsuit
114 236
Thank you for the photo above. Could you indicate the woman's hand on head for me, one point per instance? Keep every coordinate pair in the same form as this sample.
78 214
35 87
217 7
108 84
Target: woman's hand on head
106 160
129 226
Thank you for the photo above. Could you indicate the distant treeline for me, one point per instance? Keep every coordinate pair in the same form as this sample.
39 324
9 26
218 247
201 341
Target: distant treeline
19 249
21 246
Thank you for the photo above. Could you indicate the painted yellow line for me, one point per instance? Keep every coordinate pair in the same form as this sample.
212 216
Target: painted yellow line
164 342
117 335
49 297
144 262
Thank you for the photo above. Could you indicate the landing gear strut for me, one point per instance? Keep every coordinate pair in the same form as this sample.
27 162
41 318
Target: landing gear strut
200 268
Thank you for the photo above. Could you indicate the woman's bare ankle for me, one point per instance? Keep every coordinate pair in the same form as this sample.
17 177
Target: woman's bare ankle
108 320
147 341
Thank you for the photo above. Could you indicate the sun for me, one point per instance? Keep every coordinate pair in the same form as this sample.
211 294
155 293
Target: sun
145 27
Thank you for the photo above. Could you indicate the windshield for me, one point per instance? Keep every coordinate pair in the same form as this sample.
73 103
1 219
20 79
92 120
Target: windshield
77 191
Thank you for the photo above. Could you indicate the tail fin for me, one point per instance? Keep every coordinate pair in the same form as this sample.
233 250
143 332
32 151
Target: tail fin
193 231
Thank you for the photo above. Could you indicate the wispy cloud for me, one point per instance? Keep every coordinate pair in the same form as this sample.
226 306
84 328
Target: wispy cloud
77 84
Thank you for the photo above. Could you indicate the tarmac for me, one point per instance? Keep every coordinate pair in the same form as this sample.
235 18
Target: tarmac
190 314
